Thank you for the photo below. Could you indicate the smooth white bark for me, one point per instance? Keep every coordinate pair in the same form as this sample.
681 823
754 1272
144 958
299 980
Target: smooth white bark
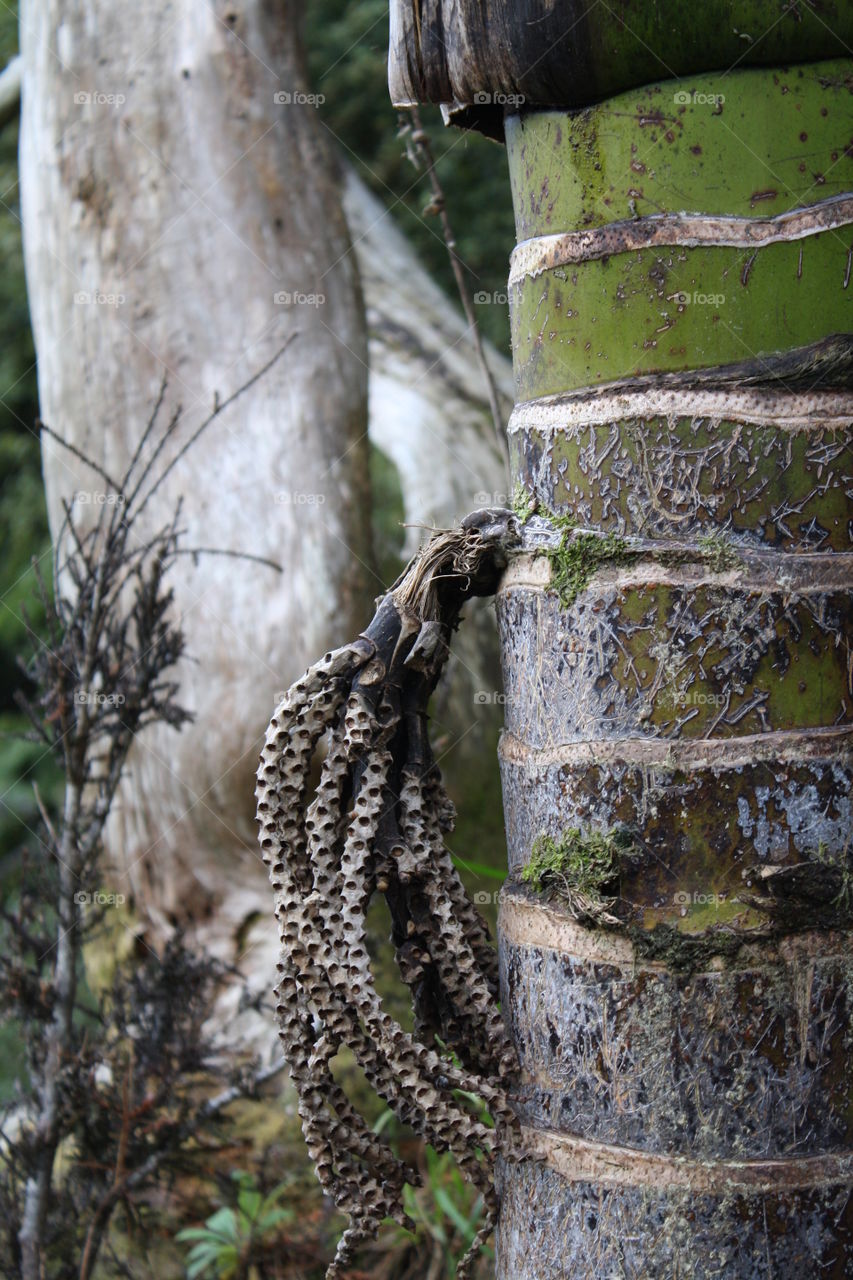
167 199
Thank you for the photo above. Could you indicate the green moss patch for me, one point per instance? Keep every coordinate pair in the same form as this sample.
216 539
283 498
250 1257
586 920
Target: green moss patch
582 868
579 555
524 503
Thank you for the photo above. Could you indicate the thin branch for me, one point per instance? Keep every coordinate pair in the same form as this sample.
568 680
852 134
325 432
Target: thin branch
224 1099
146 434
45 817
236 555
80 455
439 205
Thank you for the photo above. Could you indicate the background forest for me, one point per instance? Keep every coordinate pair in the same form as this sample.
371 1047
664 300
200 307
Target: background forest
254 1188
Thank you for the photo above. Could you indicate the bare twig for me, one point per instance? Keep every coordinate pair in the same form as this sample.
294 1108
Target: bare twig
101 678
80 455
236 555
420 139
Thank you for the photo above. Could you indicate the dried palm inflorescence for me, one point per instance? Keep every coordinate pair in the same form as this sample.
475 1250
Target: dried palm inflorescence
376 824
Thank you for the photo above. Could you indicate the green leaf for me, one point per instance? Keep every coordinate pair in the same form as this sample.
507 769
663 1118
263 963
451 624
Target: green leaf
200 1259
272 1218
207 1249
384 1120
223 1223
479 868
249 1201
460 1222
198 1267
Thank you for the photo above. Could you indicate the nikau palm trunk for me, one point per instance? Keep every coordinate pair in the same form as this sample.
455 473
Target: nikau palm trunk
677 655
681 378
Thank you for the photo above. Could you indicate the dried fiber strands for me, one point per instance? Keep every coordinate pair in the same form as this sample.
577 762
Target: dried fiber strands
375 824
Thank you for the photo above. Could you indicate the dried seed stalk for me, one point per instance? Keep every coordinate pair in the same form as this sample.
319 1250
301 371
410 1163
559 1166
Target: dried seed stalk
375 824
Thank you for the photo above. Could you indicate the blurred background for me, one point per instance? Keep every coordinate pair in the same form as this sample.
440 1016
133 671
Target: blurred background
175 973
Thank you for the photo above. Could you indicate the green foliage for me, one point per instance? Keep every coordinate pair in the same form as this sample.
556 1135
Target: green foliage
23 535
444 1209
227 1245
347 44
578 862
22 763
388 515
23 518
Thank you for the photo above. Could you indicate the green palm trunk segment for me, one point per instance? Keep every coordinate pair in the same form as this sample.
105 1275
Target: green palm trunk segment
755 144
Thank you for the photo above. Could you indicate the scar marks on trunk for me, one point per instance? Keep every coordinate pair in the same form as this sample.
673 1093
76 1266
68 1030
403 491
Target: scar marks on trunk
543 253
672 660
663 475
551 1228
743 1057
704 837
